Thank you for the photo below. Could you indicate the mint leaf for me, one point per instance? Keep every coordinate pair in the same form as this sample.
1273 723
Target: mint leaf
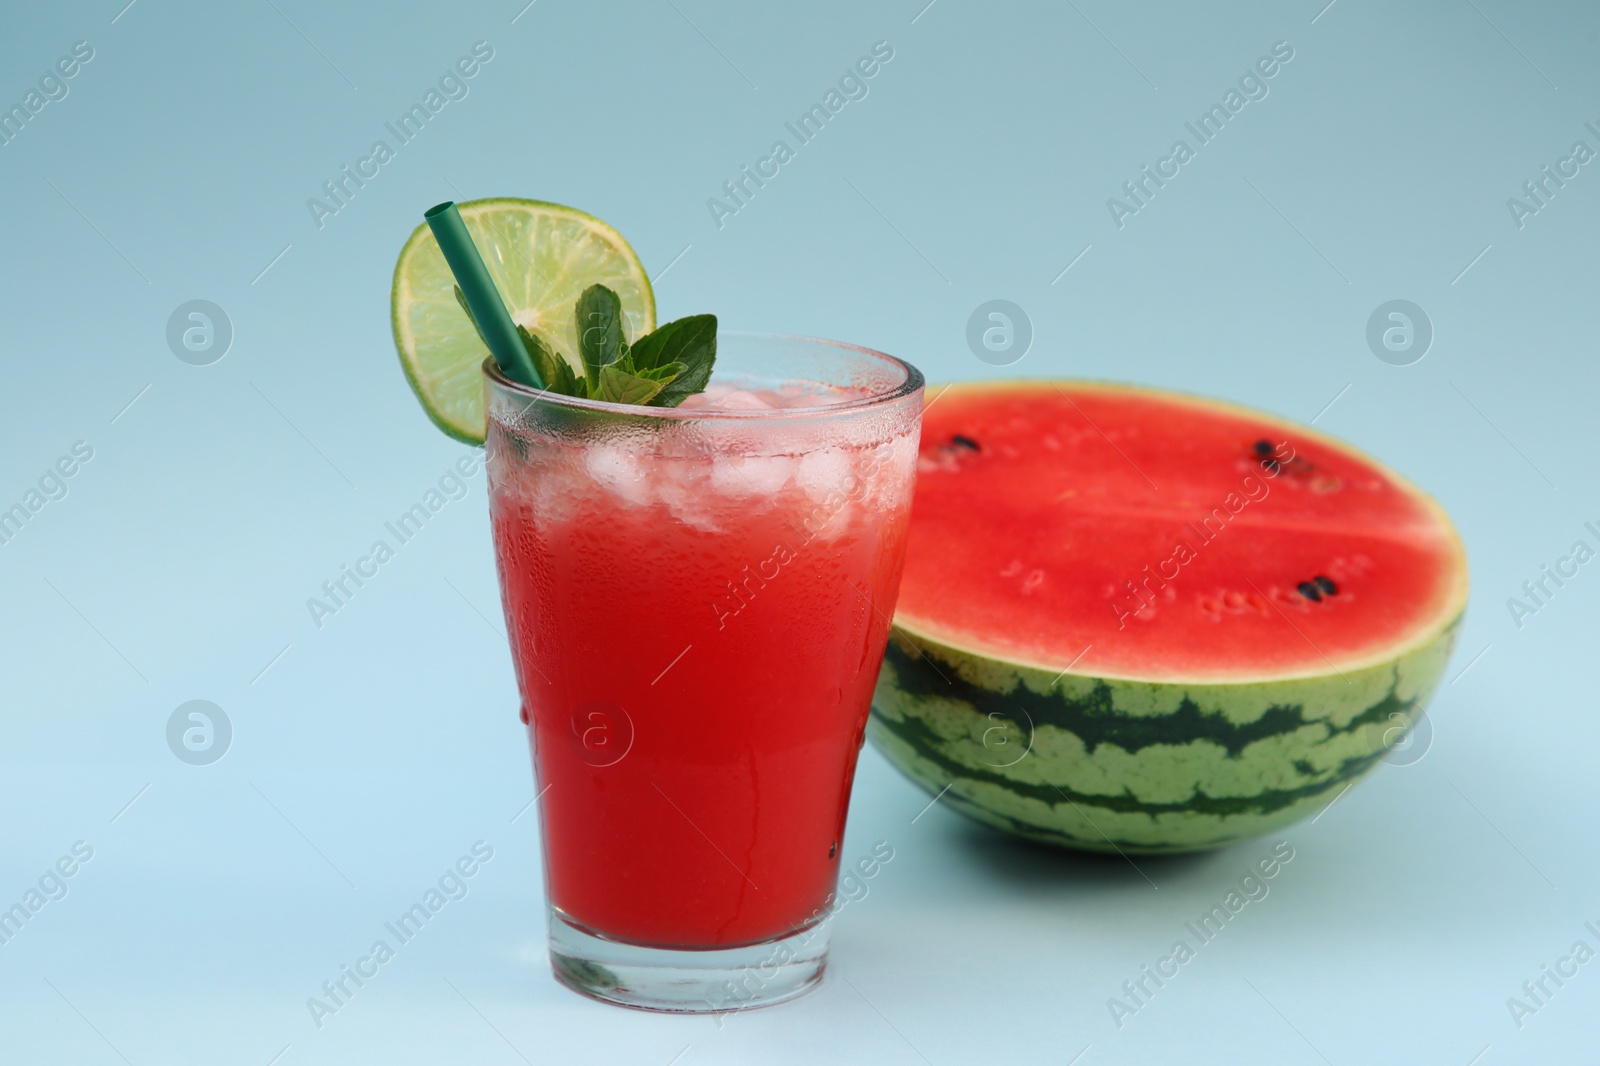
552 366
619 386
691 341
629 365
600 340
664 374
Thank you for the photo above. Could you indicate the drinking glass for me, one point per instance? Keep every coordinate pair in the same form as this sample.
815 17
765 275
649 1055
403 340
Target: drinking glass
697 600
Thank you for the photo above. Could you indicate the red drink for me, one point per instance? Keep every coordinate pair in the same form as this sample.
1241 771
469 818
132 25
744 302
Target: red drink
698 603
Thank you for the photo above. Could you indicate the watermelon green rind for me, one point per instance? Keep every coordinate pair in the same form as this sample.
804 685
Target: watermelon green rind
1141 768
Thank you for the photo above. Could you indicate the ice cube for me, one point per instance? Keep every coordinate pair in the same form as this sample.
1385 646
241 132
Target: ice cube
619 472
741 400
689 498
760 475
711 397
800 394
824 472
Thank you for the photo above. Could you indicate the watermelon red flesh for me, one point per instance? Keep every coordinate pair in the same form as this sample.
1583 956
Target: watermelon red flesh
1037 503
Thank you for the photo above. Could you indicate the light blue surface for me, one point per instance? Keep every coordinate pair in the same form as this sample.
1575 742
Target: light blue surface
370 754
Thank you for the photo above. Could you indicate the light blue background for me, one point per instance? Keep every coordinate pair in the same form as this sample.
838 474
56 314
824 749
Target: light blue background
377 749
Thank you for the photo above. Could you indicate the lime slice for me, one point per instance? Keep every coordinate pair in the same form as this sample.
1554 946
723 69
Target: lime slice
541 256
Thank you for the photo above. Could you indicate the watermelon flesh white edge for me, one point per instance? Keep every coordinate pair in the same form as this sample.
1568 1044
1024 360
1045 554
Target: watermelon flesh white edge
1260 755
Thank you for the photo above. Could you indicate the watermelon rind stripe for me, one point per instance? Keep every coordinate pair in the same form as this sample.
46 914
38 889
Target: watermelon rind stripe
1107 764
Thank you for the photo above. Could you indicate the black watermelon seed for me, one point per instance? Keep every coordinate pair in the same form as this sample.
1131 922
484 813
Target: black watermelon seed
1310 591
1326 585
1264 448
833 849
965 442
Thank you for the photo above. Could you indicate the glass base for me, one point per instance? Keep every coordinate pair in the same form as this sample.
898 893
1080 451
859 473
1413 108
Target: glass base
714 981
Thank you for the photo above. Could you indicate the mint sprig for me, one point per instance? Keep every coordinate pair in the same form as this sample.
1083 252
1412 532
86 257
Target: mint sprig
660 369
688 344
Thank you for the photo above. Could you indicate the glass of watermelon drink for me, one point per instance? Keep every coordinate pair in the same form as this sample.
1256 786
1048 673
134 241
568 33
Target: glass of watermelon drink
698 600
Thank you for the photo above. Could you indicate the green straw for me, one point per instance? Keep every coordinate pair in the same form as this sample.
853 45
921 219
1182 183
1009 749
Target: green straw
494 321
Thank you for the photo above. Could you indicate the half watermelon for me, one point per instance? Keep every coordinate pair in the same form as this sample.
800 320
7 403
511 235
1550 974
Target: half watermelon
1150 622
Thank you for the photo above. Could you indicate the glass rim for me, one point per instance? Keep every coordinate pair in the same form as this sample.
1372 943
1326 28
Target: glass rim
912 383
